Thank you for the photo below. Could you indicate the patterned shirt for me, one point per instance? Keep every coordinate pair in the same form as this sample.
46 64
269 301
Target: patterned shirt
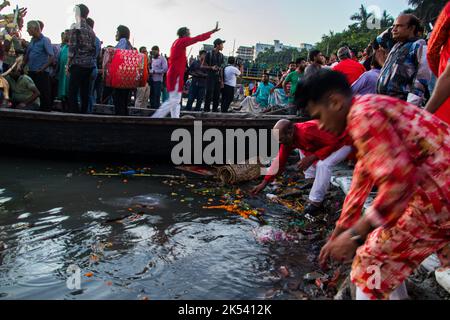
404 151
406 72
82 46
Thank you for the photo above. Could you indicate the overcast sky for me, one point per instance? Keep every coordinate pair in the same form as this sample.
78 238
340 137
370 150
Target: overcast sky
155 22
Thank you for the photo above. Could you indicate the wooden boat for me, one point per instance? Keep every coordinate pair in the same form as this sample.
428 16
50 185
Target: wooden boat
110 137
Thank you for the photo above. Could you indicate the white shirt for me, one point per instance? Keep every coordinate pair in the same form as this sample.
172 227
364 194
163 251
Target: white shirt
230 74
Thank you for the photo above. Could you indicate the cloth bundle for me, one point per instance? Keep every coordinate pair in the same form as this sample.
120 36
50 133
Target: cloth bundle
125 69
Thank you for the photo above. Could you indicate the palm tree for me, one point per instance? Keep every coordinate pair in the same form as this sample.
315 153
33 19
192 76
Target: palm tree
361 17
386 20
428 10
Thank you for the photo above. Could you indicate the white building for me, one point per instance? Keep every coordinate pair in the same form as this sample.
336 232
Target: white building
277 46
246 53
306 46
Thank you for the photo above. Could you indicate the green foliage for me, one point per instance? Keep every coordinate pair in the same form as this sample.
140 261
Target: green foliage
427 10
357 36
279 60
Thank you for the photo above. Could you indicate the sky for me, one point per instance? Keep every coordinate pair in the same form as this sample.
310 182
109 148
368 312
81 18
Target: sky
155 22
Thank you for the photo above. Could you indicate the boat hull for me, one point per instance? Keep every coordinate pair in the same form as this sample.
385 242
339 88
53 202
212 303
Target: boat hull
105 136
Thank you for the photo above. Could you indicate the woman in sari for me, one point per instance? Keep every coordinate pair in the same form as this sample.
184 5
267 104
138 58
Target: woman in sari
405 152
63 78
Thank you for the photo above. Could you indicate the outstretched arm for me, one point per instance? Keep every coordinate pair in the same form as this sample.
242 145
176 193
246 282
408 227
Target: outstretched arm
188 41
441 92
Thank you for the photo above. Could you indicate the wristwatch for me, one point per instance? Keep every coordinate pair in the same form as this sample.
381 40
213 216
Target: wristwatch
356 237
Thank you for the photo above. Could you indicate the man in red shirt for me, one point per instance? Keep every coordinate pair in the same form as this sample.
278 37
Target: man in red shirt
321 150
349 67
177 68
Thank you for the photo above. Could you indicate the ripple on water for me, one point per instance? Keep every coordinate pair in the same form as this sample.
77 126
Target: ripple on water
4 200
200 258
24 216
95 215
151 200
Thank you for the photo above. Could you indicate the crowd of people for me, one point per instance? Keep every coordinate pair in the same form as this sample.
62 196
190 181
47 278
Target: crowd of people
378 113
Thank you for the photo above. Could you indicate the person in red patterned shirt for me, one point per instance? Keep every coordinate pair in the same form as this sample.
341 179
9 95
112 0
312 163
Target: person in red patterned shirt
405 152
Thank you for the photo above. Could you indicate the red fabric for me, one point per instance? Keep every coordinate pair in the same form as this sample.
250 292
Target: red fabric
125 69
439 54
351 69
178 61
311 140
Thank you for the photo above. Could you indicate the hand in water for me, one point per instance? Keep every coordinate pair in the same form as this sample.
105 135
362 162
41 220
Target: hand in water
258 189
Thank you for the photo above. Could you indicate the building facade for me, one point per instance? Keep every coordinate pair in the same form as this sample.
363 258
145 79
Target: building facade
277 45
246 53
306 46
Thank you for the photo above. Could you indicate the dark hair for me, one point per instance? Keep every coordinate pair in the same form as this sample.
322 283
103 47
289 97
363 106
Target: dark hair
90 22
292 62
155 48
313 54
84 11
182 32
299 60
316 87
231 60
374 63
416 23
41 25
124 32
202 52
142 49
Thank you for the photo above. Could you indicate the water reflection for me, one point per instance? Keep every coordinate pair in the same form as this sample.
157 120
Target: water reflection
130 240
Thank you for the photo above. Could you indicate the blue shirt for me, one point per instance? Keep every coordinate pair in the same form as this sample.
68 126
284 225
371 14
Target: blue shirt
38 53
123 44
263 93
367 83
98 47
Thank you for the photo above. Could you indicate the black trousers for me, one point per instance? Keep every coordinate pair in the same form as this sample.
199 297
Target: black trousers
196 92
79 86
155 94
107 95
121 99
227 97
43 84
212 93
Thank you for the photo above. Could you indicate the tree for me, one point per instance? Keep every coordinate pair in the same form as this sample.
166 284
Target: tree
428 10
361 17
386 20
358 35
279 60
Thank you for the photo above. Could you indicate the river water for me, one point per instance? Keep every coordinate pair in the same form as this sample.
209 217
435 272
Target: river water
54 215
